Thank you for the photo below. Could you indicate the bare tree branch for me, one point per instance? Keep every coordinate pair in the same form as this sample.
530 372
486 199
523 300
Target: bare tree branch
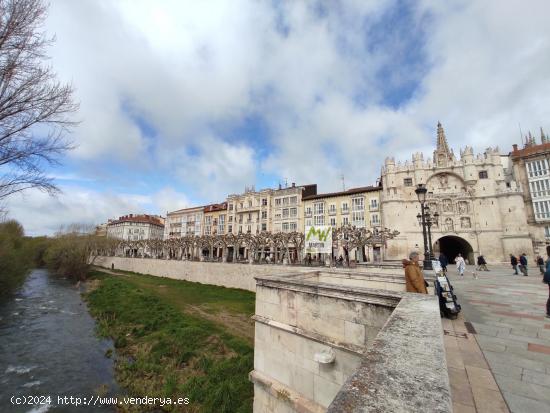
35 108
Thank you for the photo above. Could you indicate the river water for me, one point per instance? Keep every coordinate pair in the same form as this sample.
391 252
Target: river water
48 346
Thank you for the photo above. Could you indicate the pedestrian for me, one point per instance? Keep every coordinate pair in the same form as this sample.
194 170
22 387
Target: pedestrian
481 263
540 263
444 262
413 275
460 265
341 261
514 263
546 280
523 264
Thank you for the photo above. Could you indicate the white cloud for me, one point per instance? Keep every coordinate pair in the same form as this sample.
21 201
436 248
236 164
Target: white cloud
42 214
184 66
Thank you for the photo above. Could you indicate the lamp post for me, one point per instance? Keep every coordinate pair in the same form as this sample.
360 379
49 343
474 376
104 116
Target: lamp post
421 191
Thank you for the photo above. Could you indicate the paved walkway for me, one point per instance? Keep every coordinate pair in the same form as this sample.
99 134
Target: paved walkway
506 315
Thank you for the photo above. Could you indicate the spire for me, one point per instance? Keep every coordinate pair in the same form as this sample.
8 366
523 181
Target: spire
543 138
442 154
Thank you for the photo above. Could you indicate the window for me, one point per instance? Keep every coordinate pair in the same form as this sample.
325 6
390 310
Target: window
285 226
242 205
333 221
408 182
318 208
264 214
332 209
357 204
308 222
249 202
249 228
285 213
293 226
240 229
375 219
264 201
293 200
319 220
547 232
230 218
374 203
308 211
358 218
345 207
293 212
285 201
264 227
230 228
483 175
278 201
231 207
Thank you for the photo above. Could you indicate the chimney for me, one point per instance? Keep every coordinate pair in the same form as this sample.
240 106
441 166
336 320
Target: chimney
515 146
293 184
131 215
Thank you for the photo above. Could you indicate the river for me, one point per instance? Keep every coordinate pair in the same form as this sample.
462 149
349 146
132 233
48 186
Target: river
48 346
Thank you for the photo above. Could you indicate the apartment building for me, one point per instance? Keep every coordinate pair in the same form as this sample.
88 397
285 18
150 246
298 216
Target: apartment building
356 206
530 167
136 227
215 216
288 207
187 221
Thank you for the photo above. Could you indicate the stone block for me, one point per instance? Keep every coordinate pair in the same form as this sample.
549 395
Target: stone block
331 372
324 390
302 382
355 333
521 404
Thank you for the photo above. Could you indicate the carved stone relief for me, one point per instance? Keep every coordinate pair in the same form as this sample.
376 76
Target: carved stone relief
465 222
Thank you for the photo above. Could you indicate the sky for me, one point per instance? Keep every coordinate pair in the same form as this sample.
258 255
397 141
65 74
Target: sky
185 102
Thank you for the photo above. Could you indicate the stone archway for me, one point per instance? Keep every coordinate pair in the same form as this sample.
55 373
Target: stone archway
451 246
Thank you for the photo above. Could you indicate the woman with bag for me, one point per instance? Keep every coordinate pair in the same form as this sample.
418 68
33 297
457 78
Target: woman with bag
460 265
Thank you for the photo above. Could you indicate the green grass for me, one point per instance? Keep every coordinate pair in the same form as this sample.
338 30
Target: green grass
164 350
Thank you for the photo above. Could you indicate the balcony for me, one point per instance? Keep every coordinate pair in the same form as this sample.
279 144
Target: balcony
307 214
332 211
344 211
373 208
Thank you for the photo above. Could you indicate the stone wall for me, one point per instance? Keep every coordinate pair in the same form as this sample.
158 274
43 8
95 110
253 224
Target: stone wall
215 273
300 319
232 275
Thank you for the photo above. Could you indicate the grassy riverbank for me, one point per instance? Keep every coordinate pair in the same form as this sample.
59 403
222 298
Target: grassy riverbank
178 339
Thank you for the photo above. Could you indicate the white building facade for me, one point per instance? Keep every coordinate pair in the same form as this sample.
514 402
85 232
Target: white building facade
136 227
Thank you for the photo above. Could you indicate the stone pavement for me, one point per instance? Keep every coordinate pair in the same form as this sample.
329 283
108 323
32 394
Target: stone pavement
505 314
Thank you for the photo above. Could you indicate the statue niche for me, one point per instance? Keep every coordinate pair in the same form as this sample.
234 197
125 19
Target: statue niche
445 182
463 207
449 225
465 222
447 205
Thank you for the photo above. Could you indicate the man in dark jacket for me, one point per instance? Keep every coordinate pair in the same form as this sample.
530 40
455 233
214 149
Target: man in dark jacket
523 264
481 263
444 262
514 262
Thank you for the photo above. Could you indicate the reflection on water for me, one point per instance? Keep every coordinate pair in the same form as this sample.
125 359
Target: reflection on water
48 346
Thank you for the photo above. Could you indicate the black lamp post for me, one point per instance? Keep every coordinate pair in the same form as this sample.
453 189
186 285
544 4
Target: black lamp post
421 191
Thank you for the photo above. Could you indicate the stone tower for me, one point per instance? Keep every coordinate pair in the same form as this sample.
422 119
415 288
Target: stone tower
442 154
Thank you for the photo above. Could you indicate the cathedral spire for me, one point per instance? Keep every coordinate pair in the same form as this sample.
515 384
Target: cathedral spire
442 154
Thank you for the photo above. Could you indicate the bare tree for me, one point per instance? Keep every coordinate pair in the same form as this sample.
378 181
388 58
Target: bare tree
35 107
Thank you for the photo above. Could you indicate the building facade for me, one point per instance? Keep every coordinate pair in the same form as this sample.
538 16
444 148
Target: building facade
479 202
187 221
359 207
215 217
136 227
531 169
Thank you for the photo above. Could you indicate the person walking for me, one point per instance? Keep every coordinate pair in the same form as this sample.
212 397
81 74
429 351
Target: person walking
546 280
444 262
481 263
523 264
413 275
540 263
514 263
460 265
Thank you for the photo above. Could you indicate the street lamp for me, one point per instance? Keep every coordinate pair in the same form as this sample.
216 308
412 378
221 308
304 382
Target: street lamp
421 191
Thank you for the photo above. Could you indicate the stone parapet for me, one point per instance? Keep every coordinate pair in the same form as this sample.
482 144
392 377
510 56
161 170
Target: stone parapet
405 368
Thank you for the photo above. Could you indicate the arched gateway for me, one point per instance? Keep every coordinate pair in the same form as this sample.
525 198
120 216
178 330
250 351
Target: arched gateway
451 246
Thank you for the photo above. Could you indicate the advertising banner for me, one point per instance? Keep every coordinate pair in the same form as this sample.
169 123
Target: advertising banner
318 240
